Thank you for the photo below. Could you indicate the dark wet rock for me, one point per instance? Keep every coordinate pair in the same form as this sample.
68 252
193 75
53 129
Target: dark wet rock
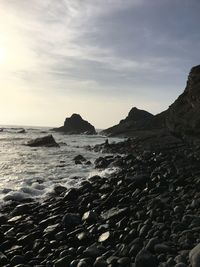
92 251
114 213
90 217
17 259
162 248
3 259
79 158
151 244
145 259
21 131
71 195
101 163
82 263
71 220
47 141
100 262
63 262
180 264
76 125
59 189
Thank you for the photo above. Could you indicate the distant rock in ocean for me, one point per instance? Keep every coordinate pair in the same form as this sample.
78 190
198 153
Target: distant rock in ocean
47 141
181 119
76 125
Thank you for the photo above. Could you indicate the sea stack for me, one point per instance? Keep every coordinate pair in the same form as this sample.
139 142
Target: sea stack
76 125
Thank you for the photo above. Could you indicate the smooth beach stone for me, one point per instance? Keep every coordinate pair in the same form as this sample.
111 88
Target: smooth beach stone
145 259
71 220
3 259
17 259
151 243
82 263
194 256
124 262
180 264
3 219
71 194
161 248
63 262
114 213
92 251
100 262
104 237
83 237
90 217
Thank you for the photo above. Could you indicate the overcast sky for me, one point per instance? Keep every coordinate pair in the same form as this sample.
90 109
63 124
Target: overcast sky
98 58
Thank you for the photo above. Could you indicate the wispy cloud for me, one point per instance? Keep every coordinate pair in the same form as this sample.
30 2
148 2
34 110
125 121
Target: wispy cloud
104 47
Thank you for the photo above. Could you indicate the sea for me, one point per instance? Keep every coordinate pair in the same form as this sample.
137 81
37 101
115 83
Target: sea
33 172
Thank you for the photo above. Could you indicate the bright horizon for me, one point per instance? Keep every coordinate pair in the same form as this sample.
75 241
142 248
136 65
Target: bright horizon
98 58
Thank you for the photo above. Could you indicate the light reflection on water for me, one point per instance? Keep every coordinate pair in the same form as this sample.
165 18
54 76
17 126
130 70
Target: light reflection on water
33 172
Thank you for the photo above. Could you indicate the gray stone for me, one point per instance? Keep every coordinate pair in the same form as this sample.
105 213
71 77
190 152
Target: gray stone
194 256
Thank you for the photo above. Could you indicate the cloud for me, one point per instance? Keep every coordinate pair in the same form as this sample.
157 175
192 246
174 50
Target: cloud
103 48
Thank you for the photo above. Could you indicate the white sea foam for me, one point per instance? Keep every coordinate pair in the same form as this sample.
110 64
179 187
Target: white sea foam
33 172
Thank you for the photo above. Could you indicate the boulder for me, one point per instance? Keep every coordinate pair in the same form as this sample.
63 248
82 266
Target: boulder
76 125
194 256
47 141
145 259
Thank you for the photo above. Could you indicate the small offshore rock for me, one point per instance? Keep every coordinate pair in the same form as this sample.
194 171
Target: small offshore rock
47 141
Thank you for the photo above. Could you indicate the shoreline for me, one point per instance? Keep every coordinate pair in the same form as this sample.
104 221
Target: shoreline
145 215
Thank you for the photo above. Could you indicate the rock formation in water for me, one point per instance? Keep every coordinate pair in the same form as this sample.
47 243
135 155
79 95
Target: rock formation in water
76 125
47 141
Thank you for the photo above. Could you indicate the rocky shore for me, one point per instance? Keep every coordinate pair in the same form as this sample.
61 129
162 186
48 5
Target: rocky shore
146 214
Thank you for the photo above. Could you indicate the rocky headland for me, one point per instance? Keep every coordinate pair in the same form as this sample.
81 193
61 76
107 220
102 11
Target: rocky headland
76 125
145 214
180 119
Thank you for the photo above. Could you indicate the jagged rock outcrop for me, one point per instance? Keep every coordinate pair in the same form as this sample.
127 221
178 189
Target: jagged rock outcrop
181 119
183 116
76 125
135 123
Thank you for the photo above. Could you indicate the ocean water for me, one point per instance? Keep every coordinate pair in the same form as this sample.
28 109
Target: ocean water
33 172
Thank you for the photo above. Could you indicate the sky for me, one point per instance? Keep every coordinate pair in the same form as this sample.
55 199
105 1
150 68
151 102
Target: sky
98 58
